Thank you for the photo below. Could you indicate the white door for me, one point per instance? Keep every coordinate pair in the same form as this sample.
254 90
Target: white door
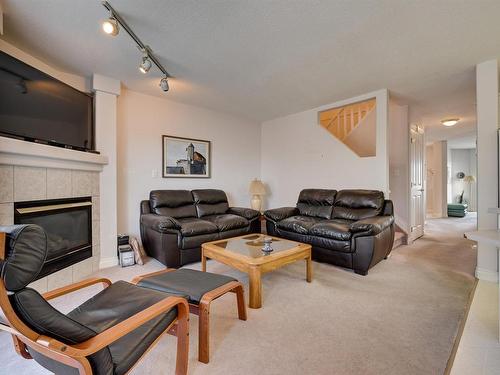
417 201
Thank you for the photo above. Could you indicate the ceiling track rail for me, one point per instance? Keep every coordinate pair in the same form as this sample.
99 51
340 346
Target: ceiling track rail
143 47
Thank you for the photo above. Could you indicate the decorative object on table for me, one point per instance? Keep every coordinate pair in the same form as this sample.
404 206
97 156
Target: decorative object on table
257 189
267 245
126 255
461 197
460 175
185 157
139 252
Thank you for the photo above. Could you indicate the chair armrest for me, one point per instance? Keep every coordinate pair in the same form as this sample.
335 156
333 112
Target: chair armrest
247 213
162 224
121 329
74 287
372 225
278 214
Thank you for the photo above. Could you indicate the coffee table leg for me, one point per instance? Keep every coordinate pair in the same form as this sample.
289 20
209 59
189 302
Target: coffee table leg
309 270
203 261
255 288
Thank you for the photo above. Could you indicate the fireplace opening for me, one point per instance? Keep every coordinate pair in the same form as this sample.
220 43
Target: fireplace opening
68 224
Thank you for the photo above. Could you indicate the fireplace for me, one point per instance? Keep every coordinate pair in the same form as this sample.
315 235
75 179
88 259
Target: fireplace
68 224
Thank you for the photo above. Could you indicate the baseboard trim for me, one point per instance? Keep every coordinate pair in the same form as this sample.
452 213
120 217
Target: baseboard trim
486 275
108 262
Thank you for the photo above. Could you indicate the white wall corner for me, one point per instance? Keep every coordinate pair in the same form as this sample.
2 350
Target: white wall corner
487 151
108 262
106 84
1 19
486 275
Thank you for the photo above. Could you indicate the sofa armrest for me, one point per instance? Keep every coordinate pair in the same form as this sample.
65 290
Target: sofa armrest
372 225
278 214
247 213
162 224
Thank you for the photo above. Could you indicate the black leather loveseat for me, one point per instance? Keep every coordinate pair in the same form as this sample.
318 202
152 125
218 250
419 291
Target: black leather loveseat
174 223
348 228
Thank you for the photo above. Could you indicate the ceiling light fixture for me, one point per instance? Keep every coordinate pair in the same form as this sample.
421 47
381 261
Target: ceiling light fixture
145 64
450 121
164 84
149 58
110 26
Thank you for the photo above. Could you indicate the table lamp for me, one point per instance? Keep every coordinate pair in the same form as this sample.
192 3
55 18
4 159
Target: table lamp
257 189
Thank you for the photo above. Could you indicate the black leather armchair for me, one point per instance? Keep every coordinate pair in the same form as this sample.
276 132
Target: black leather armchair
106 335
174 223
349 228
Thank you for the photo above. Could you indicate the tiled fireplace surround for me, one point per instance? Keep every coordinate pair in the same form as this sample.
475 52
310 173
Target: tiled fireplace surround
25 183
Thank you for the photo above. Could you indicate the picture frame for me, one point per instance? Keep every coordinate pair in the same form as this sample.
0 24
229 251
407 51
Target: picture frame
185 157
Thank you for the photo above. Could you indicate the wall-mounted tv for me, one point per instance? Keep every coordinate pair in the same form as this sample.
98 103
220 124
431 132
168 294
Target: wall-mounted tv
37 107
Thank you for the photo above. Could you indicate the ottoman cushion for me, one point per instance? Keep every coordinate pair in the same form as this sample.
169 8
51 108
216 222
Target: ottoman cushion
184 282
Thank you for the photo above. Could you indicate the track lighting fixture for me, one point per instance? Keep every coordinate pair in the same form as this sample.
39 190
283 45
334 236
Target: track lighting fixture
110 26
164 84
145 64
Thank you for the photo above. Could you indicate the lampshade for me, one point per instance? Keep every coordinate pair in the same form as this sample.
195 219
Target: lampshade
469 179
257 187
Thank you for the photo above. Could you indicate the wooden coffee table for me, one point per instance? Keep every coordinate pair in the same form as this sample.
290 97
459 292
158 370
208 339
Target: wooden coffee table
244 254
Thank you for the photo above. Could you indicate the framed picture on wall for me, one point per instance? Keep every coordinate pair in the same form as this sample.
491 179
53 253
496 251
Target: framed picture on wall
185 157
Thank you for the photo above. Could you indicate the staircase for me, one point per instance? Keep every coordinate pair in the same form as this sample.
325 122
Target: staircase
354 125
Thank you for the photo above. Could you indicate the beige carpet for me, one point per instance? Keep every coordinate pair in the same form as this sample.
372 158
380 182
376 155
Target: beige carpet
402 318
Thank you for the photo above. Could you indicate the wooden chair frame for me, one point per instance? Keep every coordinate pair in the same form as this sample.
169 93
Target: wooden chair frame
76 355
203 310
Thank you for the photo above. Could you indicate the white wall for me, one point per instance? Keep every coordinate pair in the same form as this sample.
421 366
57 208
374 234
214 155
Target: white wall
436 179
399 163
298 153
78 82
487 156
463 160
143 119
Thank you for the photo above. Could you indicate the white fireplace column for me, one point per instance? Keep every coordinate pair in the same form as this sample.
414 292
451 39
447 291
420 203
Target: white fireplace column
107 91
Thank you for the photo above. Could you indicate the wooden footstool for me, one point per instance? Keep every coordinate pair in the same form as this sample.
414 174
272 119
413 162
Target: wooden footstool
201 288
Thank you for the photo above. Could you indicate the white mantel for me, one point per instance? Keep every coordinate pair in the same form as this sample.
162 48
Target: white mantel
17 152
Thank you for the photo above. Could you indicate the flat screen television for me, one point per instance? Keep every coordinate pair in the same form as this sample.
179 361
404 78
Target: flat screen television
37 107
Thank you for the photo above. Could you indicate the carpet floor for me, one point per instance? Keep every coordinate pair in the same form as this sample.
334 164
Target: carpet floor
403 318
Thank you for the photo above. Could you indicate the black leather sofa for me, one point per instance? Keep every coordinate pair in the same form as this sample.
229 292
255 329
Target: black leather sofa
174 223
348 228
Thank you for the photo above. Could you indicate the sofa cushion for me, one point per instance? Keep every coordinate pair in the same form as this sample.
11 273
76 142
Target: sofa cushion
210 202
227 221
337 229
298 224
316 202
174 203
193 226
247 213
358 204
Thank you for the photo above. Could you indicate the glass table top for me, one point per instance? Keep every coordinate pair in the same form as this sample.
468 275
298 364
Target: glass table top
252 244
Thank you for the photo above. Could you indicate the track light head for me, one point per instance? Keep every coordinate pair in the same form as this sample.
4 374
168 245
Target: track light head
145 65
164 84
110 26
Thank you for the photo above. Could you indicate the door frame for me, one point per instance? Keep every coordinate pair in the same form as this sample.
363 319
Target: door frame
412 236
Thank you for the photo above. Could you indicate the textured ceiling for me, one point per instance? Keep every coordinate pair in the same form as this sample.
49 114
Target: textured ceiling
263 59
